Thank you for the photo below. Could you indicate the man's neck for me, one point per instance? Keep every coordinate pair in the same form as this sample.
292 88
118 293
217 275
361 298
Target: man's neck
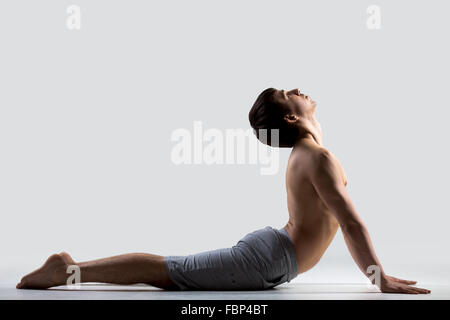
311 131
311 138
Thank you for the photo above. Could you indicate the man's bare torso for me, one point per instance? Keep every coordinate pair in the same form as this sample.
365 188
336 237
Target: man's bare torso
311 225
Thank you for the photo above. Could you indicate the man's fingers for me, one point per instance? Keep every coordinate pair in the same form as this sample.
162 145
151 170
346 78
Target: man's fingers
404 281
420 290
407 289
395 285
415 290
403 290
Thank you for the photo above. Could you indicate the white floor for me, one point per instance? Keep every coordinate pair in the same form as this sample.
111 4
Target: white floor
288 291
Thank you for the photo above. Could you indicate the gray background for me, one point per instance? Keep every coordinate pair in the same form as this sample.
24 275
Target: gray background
86 118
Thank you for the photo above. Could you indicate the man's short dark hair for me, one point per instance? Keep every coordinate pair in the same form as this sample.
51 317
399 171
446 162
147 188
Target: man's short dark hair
267 114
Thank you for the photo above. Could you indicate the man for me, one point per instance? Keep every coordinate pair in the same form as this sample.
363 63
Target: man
318 205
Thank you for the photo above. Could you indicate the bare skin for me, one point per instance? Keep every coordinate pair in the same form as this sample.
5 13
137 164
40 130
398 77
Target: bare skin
318 205
123 269
318 202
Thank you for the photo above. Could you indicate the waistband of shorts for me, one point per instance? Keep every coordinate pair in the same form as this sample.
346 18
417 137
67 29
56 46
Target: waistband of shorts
291 254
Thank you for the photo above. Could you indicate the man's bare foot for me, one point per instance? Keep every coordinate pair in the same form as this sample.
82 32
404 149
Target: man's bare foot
52 273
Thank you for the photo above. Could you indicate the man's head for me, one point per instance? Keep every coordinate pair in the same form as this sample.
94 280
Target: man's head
287 111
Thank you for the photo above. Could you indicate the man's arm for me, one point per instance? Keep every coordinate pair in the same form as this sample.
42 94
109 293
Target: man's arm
328 183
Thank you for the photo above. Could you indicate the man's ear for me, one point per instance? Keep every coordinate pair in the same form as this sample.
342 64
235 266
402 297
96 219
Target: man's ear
291 118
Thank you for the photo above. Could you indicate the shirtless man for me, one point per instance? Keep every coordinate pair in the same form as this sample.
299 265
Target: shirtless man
318 205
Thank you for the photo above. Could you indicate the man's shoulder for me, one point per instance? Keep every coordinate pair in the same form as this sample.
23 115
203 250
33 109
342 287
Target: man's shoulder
311 158
312 154
308 157
316 162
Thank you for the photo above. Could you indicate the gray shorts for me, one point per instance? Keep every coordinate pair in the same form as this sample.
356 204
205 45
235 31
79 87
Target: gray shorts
262 259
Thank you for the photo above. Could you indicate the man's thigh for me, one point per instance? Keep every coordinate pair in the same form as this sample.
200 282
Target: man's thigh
220 269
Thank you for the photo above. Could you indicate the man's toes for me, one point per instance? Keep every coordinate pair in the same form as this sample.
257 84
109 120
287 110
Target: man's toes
22 284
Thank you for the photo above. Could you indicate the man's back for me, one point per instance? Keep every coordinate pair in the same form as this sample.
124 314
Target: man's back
311 225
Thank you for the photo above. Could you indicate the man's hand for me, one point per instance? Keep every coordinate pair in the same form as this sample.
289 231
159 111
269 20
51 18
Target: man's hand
393 285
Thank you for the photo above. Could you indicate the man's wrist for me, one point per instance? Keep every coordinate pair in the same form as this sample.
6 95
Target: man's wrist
378 279
383 279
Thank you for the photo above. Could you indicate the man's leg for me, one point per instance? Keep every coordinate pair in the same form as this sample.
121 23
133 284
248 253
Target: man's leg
123 269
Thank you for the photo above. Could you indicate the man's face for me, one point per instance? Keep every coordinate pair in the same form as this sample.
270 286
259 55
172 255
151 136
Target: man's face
295 102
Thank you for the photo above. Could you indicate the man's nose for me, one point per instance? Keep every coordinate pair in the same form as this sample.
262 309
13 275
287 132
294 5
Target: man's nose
295 91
